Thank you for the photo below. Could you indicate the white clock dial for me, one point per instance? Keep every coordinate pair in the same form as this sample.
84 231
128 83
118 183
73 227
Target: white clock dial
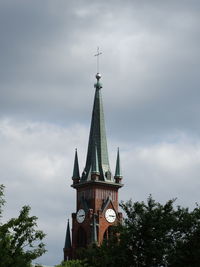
110 215
80 216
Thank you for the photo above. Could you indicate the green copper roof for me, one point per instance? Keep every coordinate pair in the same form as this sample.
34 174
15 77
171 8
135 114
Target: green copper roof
68 237
118 166
95 161
76 167
97 138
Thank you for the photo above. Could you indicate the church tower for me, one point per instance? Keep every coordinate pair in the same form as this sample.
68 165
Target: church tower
96 189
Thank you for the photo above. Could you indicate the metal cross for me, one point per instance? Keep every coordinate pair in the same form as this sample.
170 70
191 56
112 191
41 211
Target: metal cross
97 55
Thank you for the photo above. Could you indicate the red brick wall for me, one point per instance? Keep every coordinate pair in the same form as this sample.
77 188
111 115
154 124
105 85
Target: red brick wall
96 195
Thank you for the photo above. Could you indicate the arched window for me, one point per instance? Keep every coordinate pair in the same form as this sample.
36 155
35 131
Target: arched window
81 237
108 233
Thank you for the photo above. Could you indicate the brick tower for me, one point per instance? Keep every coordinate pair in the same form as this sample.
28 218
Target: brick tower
96 189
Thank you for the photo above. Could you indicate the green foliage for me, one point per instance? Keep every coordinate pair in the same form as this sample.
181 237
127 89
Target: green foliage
73 263
2 201
152 235
20 242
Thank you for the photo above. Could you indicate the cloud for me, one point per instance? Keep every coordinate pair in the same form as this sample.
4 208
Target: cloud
149 67
36 168
149 63
166 170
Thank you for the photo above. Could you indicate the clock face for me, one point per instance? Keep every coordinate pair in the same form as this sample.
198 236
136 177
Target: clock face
110 215
80 216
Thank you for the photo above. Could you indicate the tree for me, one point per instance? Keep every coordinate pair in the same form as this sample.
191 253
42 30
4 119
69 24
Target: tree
152 235
20 242
73 263
2 201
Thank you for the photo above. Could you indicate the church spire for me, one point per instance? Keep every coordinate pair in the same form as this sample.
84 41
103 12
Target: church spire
118 173
97 139
96 189
76 175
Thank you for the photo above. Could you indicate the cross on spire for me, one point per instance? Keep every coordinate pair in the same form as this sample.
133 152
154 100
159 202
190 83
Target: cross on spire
97 55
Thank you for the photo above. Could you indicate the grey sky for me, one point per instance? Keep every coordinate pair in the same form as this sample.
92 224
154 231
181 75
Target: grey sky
150 74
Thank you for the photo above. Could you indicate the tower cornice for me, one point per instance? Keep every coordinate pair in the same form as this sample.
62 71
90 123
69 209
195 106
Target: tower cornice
96 183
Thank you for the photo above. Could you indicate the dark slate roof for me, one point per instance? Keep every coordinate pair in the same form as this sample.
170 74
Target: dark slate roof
68 243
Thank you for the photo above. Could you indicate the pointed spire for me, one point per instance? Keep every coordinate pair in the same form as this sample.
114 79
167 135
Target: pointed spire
76 167
118 173
97 138
68 243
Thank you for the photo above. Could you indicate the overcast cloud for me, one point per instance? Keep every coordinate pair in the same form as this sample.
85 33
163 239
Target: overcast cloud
150 74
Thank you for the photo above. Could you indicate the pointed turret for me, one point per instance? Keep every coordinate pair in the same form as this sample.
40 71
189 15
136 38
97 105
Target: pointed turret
68 237
68 245
97 138
118 172
76 175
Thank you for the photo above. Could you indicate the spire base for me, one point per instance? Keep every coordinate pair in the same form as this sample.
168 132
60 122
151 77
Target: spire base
95 176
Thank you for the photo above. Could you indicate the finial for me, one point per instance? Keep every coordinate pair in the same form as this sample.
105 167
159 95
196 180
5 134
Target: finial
98 76
97 55
98 85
